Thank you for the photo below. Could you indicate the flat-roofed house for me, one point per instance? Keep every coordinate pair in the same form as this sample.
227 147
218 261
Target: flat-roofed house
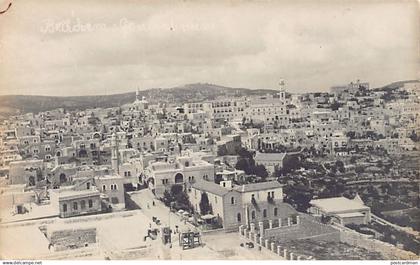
341 210
76 200
271 161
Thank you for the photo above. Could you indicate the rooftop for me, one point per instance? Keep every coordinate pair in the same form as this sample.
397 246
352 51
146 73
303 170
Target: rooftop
211 187
270 156
259 186
338 204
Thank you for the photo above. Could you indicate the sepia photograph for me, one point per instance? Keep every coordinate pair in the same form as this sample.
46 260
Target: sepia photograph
247 130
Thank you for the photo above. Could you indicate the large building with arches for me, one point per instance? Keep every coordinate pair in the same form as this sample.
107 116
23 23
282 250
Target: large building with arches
181 170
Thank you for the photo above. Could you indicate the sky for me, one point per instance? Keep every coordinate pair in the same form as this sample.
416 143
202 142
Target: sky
83 47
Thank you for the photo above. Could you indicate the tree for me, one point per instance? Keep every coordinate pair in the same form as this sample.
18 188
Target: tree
244 153
414 137
336 105
340 166
178 197
290 163
261 171
300 196
205 207
244 165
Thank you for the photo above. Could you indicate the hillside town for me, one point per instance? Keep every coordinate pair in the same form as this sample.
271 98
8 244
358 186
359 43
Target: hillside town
281 176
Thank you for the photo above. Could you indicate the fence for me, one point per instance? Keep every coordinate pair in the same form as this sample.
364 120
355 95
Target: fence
270 245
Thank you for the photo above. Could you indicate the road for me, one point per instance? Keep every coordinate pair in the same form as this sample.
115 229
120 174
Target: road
215 245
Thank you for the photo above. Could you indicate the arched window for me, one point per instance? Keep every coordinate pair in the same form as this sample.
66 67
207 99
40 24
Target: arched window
232 200
253 215
64 207
238 217
74 205
265 213
82 204
88 185
90 202
179 178
275 211
63 178
103 187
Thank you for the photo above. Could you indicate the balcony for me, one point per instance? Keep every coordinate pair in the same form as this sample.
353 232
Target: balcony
270 200
255 204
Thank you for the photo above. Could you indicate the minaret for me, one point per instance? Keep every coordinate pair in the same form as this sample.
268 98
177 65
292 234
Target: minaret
138 94
282 92
115 155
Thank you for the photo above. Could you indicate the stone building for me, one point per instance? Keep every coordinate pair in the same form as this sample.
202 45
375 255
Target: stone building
80 199
242 205
182 170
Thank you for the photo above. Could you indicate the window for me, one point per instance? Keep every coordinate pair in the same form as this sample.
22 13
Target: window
232 200
103 187
64 207
253 215
238 217
74 205
82 204
114 200
88 185
90 202
275 211
265 213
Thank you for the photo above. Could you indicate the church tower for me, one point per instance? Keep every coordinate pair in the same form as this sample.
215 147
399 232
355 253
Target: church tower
115 155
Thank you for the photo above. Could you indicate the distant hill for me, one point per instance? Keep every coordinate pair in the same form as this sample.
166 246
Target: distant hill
395 85
19 104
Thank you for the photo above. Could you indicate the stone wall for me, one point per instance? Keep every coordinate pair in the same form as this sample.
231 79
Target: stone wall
389 251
